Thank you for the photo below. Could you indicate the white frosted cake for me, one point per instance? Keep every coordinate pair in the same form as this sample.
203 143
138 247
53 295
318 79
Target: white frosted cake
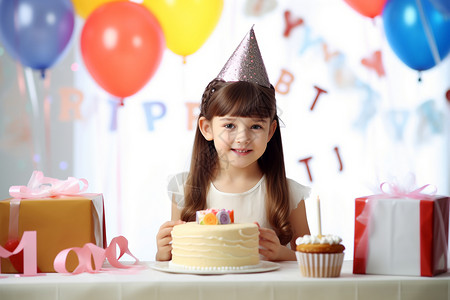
218 246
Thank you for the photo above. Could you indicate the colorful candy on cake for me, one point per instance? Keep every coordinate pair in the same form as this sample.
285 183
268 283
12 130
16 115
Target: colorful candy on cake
215 242
214 216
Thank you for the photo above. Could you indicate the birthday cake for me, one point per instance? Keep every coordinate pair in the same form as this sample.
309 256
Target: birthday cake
215 242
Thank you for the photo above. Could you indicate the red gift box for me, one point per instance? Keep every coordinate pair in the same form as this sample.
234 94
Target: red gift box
400 235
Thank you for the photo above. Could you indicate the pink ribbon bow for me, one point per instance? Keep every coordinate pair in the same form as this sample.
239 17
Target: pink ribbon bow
398 192
40 187
394 191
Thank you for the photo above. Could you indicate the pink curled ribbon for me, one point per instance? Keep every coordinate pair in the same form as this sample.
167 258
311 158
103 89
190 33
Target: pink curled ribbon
91 253
40 186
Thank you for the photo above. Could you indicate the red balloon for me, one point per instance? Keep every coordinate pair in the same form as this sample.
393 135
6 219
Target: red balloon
368 8
122 45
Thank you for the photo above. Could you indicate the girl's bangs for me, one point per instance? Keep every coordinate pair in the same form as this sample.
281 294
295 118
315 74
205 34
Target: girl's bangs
243 99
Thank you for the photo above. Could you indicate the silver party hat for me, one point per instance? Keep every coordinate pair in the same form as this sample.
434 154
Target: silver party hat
246 63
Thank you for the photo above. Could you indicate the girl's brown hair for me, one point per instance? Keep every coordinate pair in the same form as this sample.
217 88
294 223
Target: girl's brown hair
240 99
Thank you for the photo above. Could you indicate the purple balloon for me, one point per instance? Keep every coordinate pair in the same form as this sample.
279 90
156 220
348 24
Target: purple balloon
36 32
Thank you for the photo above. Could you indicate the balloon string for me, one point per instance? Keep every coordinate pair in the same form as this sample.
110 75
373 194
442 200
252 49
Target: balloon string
429 34
183 81
47 124
32 94
28 120
118 176
20 79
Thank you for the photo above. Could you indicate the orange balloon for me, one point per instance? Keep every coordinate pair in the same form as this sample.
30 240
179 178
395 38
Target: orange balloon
368 8
122 45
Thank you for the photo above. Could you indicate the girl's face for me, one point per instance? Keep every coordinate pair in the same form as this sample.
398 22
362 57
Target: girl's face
239 141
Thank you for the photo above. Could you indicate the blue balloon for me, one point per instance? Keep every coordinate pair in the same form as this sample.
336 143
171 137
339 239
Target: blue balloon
36 32
410 38
443 6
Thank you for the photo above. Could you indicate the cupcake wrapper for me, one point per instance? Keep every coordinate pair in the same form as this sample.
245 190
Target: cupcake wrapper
320 264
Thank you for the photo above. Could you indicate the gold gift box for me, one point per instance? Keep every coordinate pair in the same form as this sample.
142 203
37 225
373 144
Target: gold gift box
60 223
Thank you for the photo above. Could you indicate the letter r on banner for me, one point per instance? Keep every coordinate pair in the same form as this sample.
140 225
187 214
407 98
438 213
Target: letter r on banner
71 100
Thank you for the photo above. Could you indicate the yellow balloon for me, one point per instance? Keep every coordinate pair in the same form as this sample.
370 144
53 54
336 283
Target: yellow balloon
187 24
85 7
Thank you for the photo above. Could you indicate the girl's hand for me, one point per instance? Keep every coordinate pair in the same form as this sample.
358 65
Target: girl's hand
164 240
271 248
269 243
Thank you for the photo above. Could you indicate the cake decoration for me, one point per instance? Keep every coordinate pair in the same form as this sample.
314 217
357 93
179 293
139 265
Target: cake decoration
214 216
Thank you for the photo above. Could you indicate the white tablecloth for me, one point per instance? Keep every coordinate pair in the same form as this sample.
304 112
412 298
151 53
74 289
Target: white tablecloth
284 283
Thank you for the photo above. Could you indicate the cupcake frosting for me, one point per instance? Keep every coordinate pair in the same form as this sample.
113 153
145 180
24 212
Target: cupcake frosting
324 239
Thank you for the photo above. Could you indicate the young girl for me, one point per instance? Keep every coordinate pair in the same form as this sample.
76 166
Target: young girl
237 161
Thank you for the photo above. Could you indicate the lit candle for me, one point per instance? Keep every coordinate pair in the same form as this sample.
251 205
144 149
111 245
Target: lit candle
319 221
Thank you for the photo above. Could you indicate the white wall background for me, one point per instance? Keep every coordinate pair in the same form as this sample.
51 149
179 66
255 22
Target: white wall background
377 123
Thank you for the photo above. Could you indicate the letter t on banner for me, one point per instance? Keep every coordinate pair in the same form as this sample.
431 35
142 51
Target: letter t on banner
306 162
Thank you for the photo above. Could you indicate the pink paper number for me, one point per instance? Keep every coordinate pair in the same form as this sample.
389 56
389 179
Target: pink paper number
28 245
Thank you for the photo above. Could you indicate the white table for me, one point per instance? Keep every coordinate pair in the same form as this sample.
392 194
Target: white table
284 283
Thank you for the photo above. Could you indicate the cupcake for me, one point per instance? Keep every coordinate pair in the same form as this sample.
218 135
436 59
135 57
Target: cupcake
320 256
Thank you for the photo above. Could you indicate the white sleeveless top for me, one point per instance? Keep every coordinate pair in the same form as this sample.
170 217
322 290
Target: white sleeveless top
248 206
